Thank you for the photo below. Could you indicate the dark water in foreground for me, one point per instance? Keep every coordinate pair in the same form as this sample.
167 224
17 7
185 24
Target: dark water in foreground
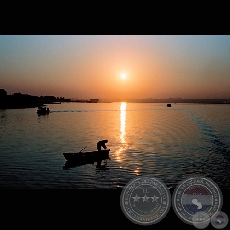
144 138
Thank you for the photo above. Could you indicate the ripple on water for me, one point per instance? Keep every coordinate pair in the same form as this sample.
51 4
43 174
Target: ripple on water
146 138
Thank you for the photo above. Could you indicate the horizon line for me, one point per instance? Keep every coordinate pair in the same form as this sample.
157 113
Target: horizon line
146 98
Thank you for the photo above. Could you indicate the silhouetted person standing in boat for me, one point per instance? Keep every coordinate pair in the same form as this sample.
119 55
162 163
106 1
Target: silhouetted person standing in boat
101 144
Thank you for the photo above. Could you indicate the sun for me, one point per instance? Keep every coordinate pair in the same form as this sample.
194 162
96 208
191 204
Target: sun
123 76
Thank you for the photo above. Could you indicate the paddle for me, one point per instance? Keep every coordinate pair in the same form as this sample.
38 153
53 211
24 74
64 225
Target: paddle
83 149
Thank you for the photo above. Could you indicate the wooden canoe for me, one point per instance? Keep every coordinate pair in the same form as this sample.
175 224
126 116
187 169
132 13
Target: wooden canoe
81 156
76 163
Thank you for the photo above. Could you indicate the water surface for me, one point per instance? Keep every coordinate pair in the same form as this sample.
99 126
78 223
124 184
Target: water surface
170 143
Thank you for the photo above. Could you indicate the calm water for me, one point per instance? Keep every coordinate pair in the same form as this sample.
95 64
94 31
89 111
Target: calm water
144 138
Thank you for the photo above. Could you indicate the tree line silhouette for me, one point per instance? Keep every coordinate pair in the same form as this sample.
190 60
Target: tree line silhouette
19 100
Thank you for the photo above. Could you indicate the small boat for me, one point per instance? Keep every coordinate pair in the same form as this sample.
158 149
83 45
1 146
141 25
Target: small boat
86 156
93 100
76 163
169 105
43 110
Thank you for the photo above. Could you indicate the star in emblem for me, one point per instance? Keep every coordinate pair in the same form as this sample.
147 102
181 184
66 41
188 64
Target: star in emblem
136 198
154 198
145 198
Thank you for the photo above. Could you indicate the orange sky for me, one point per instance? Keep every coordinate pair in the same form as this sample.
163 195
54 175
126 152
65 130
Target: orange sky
90 66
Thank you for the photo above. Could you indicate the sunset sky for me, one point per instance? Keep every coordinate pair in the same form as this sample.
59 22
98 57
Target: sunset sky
116 66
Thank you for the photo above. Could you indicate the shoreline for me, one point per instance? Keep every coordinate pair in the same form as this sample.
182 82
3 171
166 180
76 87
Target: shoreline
201 103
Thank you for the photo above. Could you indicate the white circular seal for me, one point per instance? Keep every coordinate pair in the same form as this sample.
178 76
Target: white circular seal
196 195
145 200
219 220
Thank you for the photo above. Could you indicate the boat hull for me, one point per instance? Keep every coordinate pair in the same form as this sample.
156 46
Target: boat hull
76 163
42 113
85 156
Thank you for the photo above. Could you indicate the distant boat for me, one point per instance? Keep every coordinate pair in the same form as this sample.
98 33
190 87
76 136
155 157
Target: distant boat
93 100
42 110
169 105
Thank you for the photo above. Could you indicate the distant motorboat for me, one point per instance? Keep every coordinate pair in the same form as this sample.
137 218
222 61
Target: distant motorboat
42 110
169 105
93 100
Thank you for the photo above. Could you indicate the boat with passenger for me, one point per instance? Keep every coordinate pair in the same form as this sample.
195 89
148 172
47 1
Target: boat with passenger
42 110
91 155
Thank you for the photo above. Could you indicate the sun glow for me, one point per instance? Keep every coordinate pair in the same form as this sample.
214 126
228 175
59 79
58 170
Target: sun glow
123 76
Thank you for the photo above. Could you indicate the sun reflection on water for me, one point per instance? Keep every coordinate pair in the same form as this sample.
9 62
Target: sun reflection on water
122 131
122 121
137 171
